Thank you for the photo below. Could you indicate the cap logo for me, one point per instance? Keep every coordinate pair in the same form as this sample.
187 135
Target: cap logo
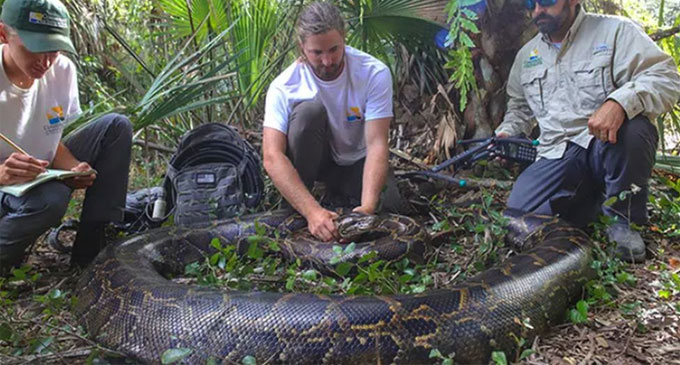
43 19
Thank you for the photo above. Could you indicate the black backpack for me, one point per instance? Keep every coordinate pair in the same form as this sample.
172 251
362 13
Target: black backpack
214 174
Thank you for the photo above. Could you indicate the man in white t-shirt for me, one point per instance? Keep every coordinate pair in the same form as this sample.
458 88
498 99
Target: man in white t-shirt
327 118
38 97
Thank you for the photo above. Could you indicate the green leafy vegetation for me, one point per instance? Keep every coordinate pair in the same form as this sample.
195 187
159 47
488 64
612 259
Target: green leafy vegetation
172 356
35 326
461 24
263 269
444 360
666 203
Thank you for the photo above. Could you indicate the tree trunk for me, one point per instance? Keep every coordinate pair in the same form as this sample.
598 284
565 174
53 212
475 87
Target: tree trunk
504 27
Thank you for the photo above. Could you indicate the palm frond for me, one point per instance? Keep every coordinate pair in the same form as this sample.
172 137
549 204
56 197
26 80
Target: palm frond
186 16
256 24
379 27
668 163
184 82
91 114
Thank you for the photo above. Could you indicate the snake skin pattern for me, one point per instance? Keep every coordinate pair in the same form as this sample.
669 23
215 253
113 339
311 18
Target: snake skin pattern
125 303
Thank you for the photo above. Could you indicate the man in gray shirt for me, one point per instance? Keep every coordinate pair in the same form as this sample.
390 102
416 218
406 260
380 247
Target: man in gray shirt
593 83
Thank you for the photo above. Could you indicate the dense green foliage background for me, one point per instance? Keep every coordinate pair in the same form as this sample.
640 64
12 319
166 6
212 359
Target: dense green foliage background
171 66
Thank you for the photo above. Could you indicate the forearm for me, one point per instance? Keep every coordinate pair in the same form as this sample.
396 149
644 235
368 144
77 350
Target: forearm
64 159
375 174
288 182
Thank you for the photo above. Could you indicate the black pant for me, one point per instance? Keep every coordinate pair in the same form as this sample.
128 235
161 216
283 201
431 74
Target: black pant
576 185
309 151
105 145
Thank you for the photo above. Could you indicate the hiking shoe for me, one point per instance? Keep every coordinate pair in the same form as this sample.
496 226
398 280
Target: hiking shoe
629 244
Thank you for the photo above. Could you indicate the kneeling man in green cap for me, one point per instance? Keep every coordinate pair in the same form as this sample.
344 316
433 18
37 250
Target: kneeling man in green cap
38 98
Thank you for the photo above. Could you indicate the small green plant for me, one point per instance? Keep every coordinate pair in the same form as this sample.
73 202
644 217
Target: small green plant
522 352
630 309
666 207
610 273
32 323
55 301
481 224
525 353
462 22
622 197
172 356
499 358
24 273
249 360
579 314
445 360
669 283
372 276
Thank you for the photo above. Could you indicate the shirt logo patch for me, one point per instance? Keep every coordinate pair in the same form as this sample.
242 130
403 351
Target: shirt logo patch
534 59
601 48
56 119
35 17
354 115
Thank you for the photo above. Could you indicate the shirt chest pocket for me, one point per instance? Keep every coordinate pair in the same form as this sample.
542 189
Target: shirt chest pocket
536 89
592 80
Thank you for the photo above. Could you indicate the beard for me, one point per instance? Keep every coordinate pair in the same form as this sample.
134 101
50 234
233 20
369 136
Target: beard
327 73
330 72
549 24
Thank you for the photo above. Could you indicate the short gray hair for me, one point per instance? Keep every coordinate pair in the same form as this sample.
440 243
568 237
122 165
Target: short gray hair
9 29
319 17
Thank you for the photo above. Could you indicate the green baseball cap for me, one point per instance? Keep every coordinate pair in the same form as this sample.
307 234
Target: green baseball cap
42 25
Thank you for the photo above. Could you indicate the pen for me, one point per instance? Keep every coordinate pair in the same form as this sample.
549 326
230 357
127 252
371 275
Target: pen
14 145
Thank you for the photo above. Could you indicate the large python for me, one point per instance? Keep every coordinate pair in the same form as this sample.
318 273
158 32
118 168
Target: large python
125 303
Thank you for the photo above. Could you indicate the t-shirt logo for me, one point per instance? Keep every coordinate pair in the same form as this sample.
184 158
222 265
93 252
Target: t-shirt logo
56 119
354 115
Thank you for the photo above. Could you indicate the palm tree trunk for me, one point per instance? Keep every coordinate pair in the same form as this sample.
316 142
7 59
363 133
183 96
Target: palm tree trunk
504 27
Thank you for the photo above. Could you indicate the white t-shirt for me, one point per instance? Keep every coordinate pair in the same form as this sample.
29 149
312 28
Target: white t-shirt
34 118
362 92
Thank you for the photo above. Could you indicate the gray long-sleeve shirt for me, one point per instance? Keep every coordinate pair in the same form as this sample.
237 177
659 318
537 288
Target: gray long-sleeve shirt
602 57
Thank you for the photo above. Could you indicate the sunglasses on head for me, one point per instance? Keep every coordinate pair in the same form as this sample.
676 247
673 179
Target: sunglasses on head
531 4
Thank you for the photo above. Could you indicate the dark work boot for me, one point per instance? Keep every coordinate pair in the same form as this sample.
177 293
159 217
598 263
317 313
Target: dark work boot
90 239
11 256
629 244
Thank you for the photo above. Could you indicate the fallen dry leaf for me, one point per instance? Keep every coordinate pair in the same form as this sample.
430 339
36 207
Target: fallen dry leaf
674 262
602 342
